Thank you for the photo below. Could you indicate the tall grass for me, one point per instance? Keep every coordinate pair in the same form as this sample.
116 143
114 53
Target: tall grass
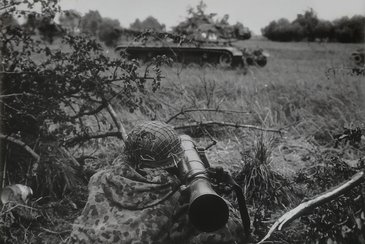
305 89
295 86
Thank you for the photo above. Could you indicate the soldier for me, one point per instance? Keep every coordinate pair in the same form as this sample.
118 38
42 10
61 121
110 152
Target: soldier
139 199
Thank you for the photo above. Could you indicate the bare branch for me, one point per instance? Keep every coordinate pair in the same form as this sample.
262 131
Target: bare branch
86 137
308 206
183 111
22 144
13 95
205 123
93 112
121 129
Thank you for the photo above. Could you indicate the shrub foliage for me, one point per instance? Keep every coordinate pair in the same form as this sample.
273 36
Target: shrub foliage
49 91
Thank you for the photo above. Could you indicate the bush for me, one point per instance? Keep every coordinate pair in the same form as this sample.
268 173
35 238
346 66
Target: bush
48 93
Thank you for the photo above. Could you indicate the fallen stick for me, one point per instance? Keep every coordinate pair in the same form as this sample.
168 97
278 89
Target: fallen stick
183 111
204 123
306 207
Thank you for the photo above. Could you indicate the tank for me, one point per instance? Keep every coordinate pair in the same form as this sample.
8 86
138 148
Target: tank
224 56
358 61
212 44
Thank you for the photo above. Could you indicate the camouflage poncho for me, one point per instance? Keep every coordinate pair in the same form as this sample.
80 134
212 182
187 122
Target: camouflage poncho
126 206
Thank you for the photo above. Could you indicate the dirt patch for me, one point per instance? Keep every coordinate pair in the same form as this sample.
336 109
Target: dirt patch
291 155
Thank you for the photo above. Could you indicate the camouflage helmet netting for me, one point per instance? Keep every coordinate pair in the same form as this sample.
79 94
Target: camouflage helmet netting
153 143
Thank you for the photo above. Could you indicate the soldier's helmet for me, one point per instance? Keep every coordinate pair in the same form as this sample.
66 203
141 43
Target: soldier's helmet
153 144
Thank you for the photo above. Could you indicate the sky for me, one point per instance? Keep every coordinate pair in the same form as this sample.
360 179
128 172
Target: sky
254 14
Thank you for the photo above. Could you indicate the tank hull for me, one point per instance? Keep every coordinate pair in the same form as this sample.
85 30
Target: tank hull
223 56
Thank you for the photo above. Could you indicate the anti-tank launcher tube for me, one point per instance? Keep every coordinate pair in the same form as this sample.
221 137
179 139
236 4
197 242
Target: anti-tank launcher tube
207 210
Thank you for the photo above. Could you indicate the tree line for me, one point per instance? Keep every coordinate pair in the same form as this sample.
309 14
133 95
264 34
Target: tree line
106 29
110 31
308 27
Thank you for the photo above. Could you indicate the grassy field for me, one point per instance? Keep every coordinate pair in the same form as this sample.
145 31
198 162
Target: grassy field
306 89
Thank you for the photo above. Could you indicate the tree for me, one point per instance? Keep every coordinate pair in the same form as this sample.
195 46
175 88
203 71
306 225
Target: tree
280 30
343 31
308 22
31 22
90 22
70 20
149 23
136 25
49 29
109 31
357 24
323 30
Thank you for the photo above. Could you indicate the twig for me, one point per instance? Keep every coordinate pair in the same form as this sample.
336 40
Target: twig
202 110
3 173
306 207
8 210
22 144
205 123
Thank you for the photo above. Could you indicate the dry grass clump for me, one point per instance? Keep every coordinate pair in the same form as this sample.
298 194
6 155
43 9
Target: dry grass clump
262 185
56 174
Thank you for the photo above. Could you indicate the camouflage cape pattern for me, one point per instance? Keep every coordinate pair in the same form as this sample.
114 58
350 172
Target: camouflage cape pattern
130 207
